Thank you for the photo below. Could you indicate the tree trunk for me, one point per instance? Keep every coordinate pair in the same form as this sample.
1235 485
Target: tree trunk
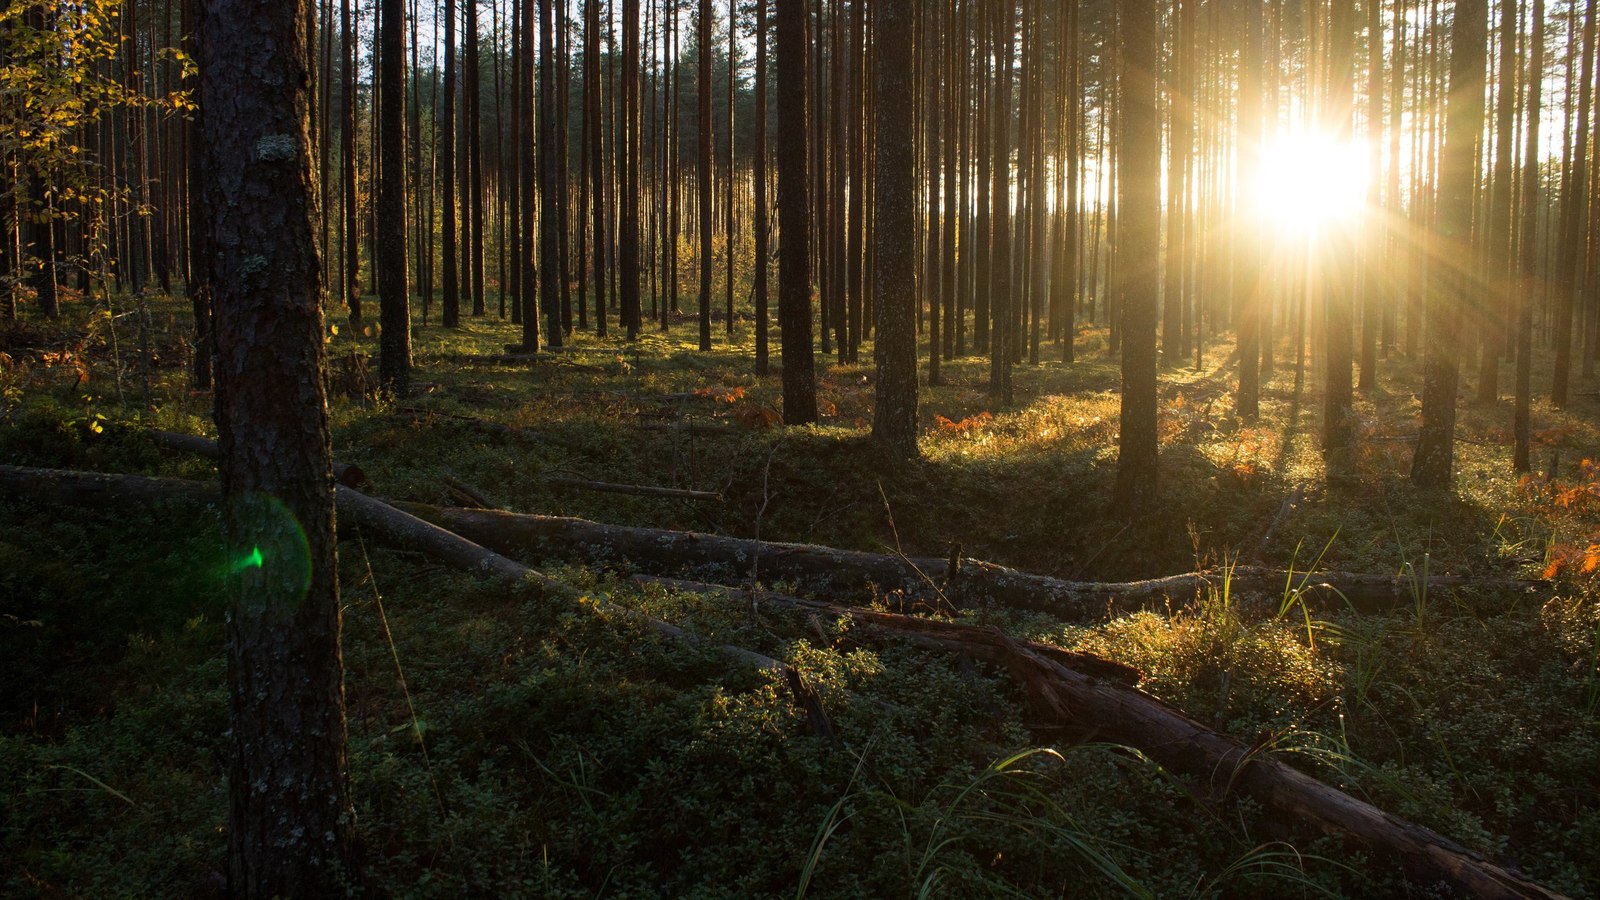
1137 249
1529 251
447 171
894 235
394 349
1454 289
290 826
703 171
794 219
759 179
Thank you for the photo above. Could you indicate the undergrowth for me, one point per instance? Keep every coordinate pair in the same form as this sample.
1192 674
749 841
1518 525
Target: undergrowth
542 749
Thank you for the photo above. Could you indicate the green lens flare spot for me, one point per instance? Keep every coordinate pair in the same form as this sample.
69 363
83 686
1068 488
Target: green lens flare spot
252 560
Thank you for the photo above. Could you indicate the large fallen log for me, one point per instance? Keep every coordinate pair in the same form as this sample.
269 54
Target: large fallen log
969 582
973 582
1061 697
389 526
1076 694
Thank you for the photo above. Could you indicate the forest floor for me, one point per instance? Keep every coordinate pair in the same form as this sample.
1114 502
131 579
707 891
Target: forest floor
543 749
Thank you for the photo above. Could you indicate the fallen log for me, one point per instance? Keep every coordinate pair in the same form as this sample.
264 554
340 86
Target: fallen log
1063 697
345 474
970 582
637 490
392 527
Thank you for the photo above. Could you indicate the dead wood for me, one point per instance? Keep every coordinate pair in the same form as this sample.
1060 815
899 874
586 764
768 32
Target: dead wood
834 571
1065 696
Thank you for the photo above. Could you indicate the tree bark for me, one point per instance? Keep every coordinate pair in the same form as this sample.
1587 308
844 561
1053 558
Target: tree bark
394 301
1529 251
1137 249
447 172
794 218
894 236
290 825
1453 288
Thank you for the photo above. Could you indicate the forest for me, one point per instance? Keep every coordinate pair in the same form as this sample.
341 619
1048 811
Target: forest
809 448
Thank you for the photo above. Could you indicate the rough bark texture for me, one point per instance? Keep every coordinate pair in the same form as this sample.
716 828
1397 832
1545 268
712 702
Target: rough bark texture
894 417
1137 251
794 218
394 302
1452 287
290 823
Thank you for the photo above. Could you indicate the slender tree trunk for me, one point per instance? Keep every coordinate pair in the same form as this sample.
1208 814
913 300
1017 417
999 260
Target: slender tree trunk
894 235
473 271
352 233
1247 261
931 159
794 220
549 215
1529 249
394 359
1000 196
447 170
1574 230
1137 248
759 163
1336 256
1499 235
1454 289
703 171
628 197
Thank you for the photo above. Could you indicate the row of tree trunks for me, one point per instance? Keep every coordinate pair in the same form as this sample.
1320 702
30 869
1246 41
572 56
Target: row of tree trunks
1068 694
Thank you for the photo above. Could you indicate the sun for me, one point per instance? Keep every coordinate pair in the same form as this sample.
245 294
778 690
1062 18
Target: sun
1308 183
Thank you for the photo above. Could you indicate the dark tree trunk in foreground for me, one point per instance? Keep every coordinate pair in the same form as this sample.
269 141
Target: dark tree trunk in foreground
1452 288
290 822
1137 273
794 219
894 237
394 304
